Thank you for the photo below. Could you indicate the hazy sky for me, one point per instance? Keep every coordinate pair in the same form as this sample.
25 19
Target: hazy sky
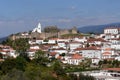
24 15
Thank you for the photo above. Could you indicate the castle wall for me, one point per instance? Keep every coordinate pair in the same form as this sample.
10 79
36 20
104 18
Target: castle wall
43 34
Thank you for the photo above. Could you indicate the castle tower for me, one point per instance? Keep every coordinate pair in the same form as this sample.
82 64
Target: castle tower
37 29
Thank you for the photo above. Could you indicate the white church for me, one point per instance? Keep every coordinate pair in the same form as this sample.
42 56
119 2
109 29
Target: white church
37 29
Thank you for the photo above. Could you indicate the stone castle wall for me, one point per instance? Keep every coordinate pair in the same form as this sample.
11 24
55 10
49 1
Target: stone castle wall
43 35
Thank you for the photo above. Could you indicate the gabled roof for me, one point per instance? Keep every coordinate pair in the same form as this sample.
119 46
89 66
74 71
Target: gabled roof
98 39
107 53
108 49
87 48
115 39
53 38
58 49
53 53
112 69
76 56
74 42
33 50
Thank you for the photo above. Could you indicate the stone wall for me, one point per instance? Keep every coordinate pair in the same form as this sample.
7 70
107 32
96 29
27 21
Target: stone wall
44 35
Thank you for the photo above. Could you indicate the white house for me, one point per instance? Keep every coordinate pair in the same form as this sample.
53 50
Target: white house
111 30
74 45
117 58
107 53
95 41
62 44
63 40
59 50
75 59
95 60
7 50
39 41
52 41
115 43
36 47
89 52
31 53
82 39
13 53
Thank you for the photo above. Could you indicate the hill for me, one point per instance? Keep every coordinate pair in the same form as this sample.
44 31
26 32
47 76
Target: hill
3 39
96 28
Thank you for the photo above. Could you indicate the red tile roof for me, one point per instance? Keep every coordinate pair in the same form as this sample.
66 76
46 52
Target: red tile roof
107 53
53 53
74 42
76 56
93 39
87 48
112 69
108 49
59 49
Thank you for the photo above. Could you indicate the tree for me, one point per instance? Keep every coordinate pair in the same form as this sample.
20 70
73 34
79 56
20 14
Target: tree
51 29
63 54
58 68
40 58
8 65
39 54
100 63
116 63
33 72
14 74
20 63
73 77
21 45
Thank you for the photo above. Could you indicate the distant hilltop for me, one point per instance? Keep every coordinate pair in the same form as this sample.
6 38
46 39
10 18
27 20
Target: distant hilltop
48 32
97 28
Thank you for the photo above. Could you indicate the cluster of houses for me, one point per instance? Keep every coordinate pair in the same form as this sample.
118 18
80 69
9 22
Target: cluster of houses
75 50
7 51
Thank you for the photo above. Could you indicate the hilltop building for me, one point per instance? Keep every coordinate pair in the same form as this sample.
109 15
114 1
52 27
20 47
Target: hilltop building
37 29
111 30
37 33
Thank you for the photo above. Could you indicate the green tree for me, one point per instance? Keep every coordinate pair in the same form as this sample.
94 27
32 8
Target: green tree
51 29
14 74
40 58
57 67
7 65
21 45
33 72
20 63
73 77
39 54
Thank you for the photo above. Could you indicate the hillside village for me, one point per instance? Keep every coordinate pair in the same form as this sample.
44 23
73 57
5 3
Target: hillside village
71 50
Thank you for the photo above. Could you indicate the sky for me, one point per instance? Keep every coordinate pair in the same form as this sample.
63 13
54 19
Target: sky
24 15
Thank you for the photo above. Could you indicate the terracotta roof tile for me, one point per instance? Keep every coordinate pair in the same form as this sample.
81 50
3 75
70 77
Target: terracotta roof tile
87 48
53 53
76 56
107 53
112 69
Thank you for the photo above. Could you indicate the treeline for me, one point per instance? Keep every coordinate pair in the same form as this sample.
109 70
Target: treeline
20 45
22 68
109 63
40 68
51 29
